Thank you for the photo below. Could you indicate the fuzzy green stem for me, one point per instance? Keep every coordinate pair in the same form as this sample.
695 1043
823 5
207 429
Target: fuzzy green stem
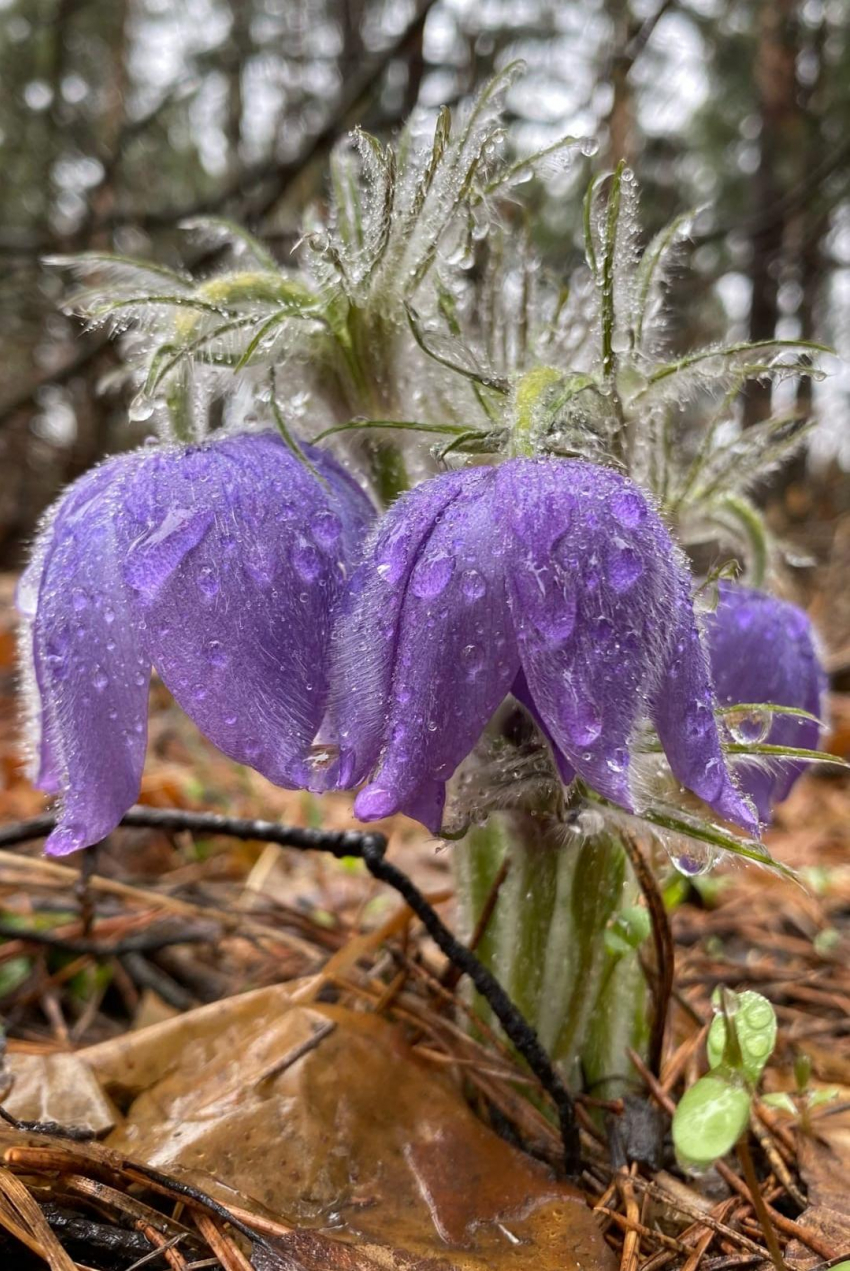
546 941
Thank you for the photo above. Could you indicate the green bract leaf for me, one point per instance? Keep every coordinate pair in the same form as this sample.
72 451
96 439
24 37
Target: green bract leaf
402 425
784 752
220 231
652 264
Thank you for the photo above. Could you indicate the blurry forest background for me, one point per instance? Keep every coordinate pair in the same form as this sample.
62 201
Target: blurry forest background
122 119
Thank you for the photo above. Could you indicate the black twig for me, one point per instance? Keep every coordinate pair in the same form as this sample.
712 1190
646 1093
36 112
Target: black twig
516 1026
175 821
371 849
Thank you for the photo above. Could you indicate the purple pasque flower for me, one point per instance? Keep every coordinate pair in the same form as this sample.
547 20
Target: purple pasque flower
550 578
763 651
220 565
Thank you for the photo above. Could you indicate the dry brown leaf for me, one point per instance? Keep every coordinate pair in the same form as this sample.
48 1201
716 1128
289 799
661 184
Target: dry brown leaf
59 1088
324 1118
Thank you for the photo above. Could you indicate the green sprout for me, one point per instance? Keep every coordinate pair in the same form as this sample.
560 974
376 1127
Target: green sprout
714 1113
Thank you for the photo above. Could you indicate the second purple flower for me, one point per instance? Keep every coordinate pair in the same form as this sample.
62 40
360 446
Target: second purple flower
551 578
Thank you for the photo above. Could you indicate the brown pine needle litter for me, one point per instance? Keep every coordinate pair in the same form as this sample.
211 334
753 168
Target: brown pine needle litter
168 929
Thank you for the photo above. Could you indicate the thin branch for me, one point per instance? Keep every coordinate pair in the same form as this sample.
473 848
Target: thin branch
371 849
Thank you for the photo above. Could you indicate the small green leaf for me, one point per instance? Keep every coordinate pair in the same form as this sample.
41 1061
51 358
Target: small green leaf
826 1094
711 1117
631 927
732 350
13 973
510 173
755 1027
826 941
802 1070
781 1100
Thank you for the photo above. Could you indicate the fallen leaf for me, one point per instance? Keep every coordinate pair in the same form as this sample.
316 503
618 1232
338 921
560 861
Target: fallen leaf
59 1088
325 1119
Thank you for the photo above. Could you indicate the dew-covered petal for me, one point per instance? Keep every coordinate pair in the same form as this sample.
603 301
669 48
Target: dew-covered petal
763 650
91 673
455 656
682 710
597 590
39 736
522 693
236 555
367 633
588 593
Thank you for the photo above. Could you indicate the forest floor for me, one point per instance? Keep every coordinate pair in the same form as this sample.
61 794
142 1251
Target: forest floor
272 1064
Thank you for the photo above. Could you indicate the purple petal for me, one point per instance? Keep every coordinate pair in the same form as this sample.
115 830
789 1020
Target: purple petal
522 693
682 709
368 630
455 657
91 673
579 583
763 650
589 591
236 558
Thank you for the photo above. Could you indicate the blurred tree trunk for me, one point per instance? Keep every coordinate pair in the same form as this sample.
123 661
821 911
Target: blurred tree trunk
806 225
620 122
781 140
239 48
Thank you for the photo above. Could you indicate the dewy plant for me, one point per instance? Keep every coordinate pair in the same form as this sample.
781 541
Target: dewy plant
416 525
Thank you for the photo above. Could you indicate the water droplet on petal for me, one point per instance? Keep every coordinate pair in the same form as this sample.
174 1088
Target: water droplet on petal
698 720
472 659
327 528
306 560
625 567
750 727
618 760
208 584
628 508
155 555
431 576
216 653
585 722
693 866
472 584
79 600
100 679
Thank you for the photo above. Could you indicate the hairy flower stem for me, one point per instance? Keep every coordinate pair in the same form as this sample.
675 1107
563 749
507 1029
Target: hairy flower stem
546 941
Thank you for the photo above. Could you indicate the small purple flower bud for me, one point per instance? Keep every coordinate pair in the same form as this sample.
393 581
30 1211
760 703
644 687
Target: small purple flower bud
553 579
221 565
763 651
